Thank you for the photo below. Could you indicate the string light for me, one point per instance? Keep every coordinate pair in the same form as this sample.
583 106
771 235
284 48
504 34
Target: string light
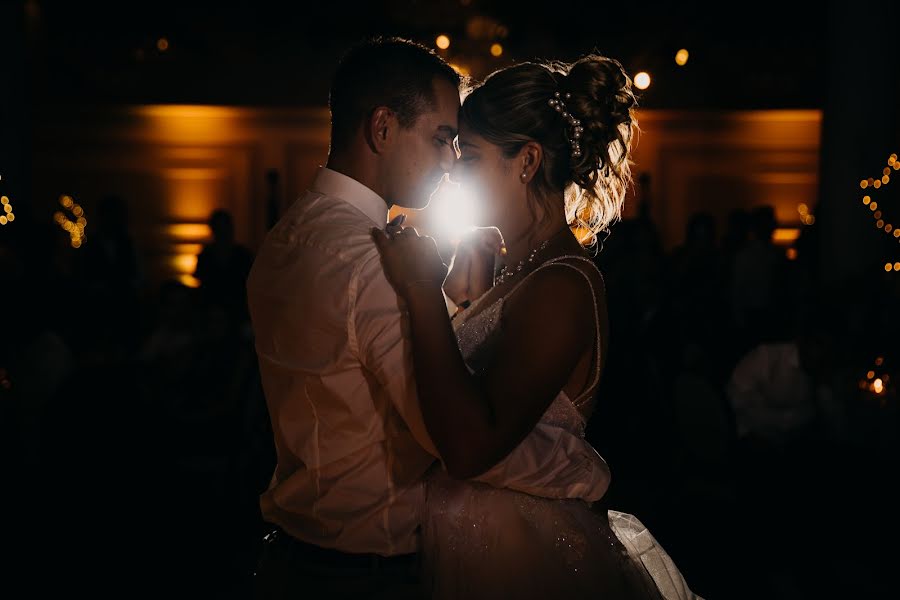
7 215
806 217
74 227
881 222
681 57
442 42
877 380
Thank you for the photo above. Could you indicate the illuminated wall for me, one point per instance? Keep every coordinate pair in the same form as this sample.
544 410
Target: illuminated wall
175 164
717 162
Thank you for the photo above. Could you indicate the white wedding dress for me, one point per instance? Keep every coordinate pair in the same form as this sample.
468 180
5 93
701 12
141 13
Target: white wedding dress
480 541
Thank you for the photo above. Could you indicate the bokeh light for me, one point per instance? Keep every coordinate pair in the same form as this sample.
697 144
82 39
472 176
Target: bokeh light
642 80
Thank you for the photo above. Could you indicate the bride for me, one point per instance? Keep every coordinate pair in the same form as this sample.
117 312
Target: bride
546 149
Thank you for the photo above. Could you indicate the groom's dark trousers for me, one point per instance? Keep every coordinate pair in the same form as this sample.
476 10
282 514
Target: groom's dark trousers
289 568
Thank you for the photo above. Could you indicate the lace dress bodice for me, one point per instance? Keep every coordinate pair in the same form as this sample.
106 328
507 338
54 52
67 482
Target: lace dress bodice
478 334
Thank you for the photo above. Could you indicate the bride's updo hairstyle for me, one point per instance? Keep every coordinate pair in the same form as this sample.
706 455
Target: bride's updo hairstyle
582 115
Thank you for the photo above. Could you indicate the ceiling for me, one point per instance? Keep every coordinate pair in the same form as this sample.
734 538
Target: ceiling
741 55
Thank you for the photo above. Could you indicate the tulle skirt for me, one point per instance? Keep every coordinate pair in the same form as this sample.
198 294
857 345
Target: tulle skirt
483 542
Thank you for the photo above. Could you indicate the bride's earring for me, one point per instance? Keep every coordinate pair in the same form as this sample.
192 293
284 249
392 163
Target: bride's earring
524 175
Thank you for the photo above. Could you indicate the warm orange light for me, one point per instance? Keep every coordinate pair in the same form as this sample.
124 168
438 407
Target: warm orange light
785 234
879 361
10 217
460 69
496 50
189 232
879 223
897 266
191 124
185 263
866 200
873 206
885 180
802 208
4 200
792 254
162 44
870 375
187 249
3 220
878 386
442 42
681 57
642 80
863 184
877 184
189 280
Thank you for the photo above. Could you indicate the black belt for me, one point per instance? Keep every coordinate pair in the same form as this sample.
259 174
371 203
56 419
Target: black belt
331 558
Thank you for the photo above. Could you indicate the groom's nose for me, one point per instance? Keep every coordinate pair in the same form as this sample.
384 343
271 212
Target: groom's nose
456 172
448 159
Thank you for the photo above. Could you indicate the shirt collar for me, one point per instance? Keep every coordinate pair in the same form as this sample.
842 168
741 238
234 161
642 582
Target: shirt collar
333 183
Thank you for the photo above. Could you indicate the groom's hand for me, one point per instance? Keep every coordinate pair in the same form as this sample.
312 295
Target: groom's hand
410 260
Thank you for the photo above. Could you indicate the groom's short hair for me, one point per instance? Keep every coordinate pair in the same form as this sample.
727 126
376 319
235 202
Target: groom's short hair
391 72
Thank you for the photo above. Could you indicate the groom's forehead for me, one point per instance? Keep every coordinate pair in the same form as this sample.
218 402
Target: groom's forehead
446 99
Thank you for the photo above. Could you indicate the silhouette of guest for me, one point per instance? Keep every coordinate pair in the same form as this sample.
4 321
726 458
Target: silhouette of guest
223 266
757 279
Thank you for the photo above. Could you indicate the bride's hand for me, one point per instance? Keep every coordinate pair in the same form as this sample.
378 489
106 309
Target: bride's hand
410 260
472 273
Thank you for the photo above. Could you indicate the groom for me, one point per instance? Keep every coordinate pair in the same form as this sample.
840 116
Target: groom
333 345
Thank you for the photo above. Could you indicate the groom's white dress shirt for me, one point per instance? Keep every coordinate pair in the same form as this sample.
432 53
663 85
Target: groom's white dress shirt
336 366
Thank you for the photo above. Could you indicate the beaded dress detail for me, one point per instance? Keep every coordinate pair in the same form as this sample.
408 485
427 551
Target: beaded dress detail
483 541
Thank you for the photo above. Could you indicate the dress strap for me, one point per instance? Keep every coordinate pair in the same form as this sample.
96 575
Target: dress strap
560 260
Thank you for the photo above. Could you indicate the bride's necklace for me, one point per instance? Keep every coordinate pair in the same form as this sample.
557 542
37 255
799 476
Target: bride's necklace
507 273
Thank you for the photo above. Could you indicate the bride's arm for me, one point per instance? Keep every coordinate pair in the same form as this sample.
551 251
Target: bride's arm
477 420
553 463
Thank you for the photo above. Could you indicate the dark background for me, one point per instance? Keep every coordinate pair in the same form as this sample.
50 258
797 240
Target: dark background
135 436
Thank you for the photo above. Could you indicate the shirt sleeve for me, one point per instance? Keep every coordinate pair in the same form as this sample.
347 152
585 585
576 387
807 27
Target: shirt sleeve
379 329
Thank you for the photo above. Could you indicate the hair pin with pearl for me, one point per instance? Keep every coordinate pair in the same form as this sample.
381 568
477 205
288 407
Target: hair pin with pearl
577 130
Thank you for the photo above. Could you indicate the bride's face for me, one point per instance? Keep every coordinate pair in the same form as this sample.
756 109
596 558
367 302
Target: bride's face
490 178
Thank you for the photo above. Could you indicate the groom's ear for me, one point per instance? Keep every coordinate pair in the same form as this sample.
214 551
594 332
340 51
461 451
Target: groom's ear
379 129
